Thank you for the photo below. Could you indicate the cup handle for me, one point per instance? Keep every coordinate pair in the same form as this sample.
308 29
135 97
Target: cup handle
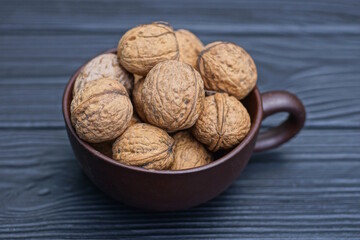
275 102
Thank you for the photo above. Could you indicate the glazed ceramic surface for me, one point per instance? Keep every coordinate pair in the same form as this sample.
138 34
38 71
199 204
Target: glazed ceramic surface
177 190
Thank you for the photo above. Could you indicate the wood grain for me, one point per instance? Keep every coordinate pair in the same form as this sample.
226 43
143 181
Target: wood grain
295 53
306 189
111 14
327 85
295 185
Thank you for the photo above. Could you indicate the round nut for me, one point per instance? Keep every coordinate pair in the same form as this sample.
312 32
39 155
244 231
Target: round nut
226 67
189 153
189 47
144 146
104 66
136 97
142 47
134 119
101 111
223 123
137 78
106 147
172 96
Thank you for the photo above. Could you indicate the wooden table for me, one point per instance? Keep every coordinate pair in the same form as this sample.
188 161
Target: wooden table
306 189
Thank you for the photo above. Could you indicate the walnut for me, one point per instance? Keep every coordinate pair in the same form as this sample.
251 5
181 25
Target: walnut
142 47
189 153
106 147
189 47
104 66
101 111
136 97
226 67
137 78
223 123
134 119
172 96
145 146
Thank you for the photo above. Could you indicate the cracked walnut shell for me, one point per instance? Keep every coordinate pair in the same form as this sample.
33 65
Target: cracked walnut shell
189 47
172 96
144 146
104 66
223 124
189 153
101 111
142 47
226 67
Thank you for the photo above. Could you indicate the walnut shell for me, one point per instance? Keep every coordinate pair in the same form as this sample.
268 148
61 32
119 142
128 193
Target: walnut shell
101 111
223 123
134 119
189 153
136 97
145 146
189 47
104 66
226 67
172 96
137 78
142 47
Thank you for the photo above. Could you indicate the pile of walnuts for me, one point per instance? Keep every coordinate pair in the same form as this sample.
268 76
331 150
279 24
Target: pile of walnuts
146 106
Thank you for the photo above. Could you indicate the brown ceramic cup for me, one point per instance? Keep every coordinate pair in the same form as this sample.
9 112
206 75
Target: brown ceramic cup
176 190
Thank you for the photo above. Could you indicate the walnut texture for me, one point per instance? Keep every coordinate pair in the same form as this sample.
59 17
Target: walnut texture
104 66
223 124
189 47
137 78
226 67
134 119
101 111
172 96
136 97
146 146
142 47
189 153
106 147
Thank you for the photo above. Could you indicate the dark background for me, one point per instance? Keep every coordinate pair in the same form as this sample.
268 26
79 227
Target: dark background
306 189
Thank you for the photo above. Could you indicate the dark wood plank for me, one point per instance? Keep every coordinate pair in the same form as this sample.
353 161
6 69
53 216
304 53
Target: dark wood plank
307 189
304 49
311 183
209 16
31 86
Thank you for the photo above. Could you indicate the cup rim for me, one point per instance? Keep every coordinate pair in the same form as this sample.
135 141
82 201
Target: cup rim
66 114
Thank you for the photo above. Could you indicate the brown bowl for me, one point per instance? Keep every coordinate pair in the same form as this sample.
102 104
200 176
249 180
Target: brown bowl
177 190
